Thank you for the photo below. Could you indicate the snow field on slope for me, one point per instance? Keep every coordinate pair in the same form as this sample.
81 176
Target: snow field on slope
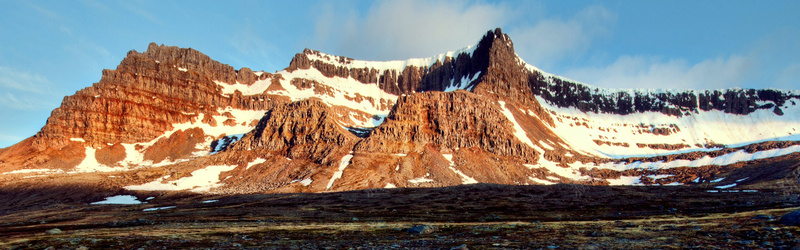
338 174
134 158
518 131
36 170
157 208
726 159
397 65
465 179
734 157
345 88
610 91
90 164
422 179
540 181
702 128
552 167
342 89
255 162
119 200
462 83
202 180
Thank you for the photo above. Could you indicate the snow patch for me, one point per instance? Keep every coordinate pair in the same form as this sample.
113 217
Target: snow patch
202 180
421 179
35 170
518 131
541 181
338 174
90 164
693 130
722 160
397 65
255 162
625 180
119 200
343 92
464 178
726 186
77 139
569 173
156 208
462 83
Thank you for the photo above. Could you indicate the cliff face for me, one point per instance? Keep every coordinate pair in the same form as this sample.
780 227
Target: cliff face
564 93
144 97
449 121
403 79
332 123
305 129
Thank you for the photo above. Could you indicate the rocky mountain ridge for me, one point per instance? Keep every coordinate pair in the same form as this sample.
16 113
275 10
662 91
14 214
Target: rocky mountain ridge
331 123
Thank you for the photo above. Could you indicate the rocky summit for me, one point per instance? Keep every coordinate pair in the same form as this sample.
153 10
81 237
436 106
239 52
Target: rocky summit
173 119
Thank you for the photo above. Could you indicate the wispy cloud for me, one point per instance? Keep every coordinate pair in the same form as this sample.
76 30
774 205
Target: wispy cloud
9 139
24 90
45 12
403 29
790 77
96 5
247 40
135 7
12 79
653 72
548 40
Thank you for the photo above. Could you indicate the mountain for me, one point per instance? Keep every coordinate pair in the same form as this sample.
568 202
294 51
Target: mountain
174 119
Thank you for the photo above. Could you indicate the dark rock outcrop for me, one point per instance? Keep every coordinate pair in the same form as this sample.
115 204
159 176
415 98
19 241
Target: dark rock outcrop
791 219
564 93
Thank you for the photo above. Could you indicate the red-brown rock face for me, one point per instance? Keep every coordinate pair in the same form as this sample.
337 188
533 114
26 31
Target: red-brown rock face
446 121
144 96
313 127
305 129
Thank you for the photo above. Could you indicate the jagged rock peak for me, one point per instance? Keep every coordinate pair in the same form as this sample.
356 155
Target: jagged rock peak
436 73
302 129
193 60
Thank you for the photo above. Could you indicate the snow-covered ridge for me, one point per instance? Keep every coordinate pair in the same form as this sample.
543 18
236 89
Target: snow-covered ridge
397 65
609 91
563 92
620 136
346 91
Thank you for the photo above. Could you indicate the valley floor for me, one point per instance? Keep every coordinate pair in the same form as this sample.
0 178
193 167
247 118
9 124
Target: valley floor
472 216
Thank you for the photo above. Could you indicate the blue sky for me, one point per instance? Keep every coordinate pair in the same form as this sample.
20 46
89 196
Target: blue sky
50 49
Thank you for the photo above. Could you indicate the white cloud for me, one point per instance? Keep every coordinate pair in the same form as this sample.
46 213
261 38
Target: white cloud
549 40
12 79
392 30
24 91
9 139
654 73
405 29
790 77
139 8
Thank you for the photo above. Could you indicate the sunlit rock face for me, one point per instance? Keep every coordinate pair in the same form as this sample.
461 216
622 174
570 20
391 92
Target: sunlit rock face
174 119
